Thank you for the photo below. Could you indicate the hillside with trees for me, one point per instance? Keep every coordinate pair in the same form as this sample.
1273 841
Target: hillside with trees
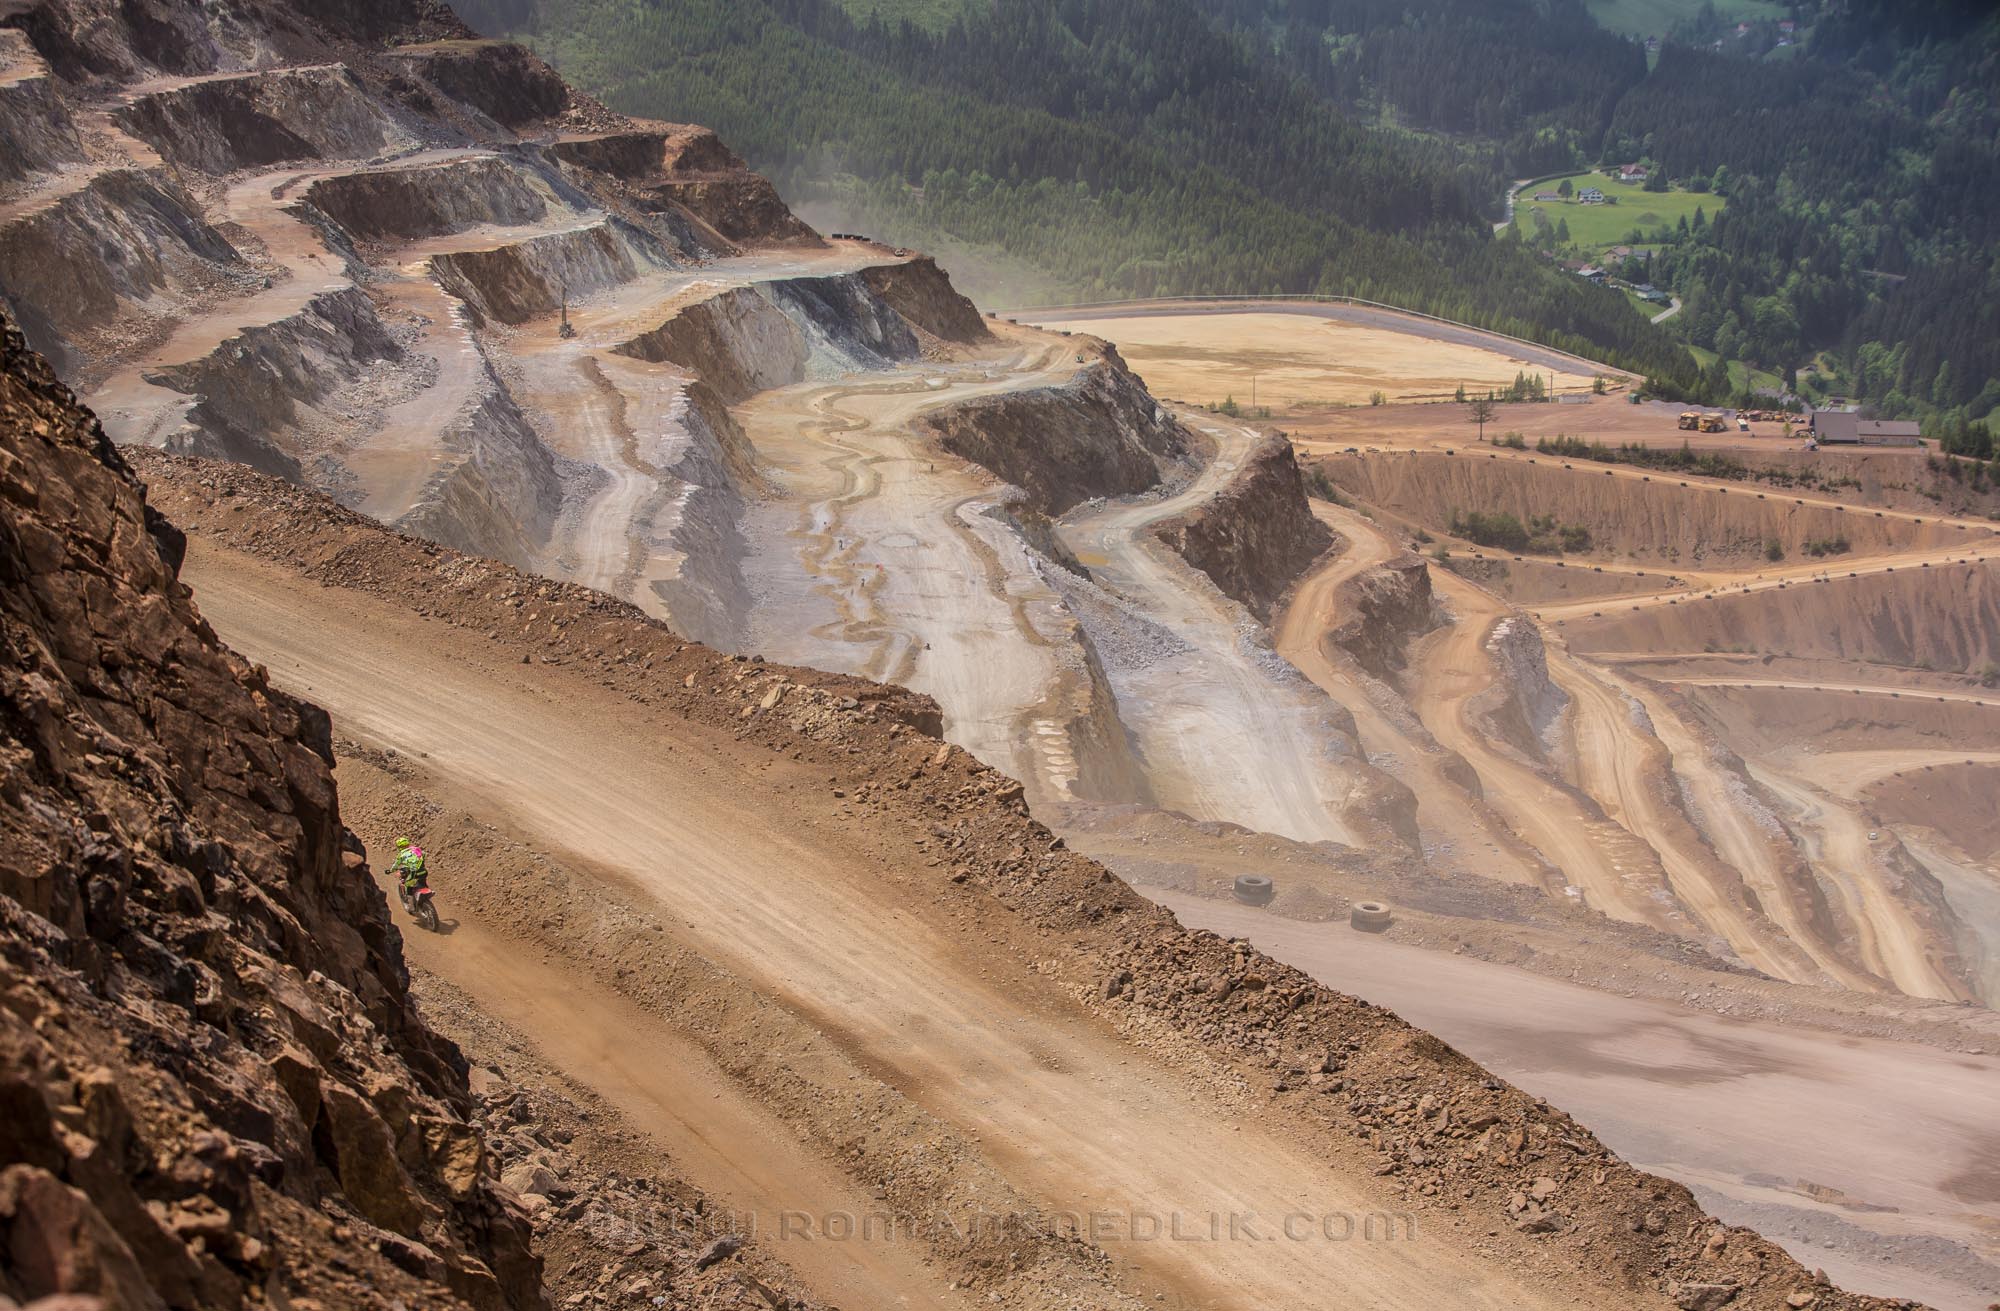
1862 207
1357 147
1125 148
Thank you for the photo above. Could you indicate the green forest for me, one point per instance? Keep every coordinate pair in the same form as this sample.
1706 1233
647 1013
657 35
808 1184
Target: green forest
1361 147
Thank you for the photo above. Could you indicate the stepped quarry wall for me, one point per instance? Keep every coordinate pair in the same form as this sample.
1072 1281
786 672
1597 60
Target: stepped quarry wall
1944 618
514 283
390 204
922 293
1256 536
148 249
1100 434
1655 520
751 339
252 389
34 122
253 119
507 83
500 491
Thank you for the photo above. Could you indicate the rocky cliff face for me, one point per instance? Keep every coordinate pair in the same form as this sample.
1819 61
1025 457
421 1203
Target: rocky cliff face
215 1086
1257 535
691 169
1523 705
1388 606
921 292
1100 434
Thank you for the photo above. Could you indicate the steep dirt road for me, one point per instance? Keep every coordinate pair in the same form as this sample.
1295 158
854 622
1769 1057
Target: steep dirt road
1741 832
1202 714
889 548
1856 1153
1623 763
666 1087
1460 831
1613 872
768 886
1888 938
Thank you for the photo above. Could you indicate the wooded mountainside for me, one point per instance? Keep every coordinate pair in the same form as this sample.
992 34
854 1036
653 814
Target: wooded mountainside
1143 147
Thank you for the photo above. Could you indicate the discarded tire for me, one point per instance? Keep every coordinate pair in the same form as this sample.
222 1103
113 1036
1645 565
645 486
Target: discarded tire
1254 889
1369 916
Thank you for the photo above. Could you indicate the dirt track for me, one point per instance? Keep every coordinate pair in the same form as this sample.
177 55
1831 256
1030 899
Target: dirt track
1458 828
1069 1113
1786 1128
865 565
1611 871
809 955
1221 696
1859 689
1642 820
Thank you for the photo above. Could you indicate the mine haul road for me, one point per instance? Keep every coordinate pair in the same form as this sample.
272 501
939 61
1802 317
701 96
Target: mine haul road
767 872
1222 697
1782 1126
877 555
1450 819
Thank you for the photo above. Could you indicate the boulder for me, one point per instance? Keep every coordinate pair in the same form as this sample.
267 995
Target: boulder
531 1177
365 1161
57 1242
1703 1297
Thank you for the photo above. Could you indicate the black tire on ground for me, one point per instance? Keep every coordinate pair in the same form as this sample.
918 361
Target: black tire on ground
427 915
1369 916
1254 889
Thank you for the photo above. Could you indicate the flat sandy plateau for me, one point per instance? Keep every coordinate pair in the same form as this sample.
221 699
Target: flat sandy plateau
1306 357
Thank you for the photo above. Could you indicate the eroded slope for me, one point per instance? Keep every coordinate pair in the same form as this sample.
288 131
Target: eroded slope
217 1083
932 891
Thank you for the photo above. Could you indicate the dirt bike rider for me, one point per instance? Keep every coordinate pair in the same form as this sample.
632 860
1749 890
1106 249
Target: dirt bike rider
409 865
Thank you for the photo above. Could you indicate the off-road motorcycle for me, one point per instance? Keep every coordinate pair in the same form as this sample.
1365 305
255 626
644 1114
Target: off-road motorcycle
419 901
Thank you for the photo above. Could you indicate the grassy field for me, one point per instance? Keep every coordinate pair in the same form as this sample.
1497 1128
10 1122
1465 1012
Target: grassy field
1645 307
1595 227
1760 381
1655 17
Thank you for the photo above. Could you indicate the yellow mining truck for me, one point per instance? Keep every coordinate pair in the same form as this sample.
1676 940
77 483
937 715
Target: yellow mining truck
1689 419
1714 423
